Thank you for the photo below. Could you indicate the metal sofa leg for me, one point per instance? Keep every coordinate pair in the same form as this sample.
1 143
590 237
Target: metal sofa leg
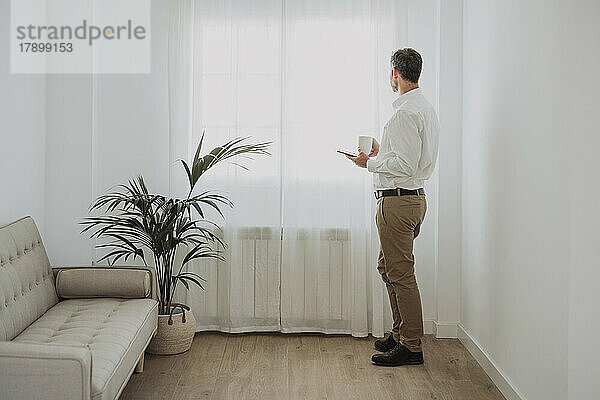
140 365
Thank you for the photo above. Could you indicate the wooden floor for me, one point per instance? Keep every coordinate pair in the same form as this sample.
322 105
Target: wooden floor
285 366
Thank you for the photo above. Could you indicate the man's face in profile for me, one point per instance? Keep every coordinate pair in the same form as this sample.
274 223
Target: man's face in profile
393 82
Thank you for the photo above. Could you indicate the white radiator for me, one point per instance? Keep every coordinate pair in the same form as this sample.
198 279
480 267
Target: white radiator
319 264
310 283
261 249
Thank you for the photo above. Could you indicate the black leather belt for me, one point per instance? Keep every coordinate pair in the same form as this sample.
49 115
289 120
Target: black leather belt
399 192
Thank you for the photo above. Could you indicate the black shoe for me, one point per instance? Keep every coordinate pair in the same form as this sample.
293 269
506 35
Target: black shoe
385 345
399 355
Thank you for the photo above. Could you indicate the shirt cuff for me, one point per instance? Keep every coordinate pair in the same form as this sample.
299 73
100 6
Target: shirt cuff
371 165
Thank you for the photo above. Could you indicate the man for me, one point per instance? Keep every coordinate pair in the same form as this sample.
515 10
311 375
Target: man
404 161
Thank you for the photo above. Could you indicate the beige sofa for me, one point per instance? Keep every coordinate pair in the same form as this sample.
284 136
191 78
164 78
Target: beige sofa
69 333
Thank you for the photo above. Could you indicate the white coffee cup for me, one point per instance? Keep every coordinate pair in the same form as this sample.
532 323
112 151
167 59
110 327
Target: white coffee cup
365 143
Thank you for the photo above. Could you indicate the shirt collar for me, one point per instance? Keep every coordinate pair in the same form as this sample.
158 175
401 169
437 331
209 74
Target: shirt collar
404 97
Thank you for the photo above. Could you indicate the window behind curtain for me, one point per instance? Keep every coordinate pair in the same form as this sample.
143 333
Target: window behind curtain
308 80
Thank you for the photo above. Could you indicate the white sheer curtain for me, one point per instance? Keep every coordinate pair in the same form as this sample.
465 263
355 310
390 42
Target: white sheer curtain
310 76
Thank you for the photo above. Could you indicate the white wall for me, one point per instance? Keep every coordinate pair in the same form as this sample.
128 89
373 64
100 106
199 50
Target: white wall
68 166
22 146
101 131
529 223
583 121
449 166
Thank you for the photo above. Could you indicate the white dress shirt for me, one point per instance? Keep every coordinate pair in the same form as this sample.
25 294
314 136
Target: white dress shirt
409 146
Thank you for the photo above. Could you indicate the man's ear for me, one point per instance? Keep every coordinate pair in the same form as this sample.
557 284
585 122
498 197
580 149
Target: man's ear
396 73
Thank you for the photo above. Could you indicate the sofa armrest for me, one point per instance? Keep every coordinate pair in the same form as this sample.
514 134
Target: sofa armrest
105 281
44 371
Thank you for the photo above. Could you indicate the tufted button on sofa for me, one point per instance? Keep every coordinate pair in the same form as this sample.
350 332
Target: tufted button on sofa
69 332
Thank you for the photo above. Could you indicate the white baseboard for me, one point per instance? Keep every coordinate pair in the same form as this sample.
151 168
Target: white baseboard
445 330
441 330
428 326
489 366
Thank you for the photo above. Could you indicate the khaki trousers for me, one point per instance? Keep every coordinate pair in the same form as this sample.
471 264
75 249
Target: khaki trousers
399 221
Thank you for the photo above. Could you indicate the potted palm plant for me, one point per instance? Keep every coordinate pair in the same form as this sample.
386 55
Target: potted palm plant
134 223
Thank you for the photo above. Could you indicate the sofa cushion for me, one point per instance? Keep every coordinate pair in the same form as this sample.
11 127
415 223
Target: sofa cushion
26 280
115 330
73 283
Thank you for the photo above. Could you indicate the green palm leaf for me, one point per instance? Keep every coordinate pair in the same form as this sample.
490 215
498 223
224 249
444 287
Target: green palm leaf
132 219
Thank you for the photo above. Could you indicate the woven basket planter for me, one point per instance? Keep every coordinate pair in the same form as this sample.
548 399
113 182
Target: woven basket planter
174 334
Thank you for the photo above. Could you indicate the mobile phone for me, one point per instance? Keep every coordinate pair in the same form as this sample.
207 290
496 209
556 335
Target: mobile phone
347 153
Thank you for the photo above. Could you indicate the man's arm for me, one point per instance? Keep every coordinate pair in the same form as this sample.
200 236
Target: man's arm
405 143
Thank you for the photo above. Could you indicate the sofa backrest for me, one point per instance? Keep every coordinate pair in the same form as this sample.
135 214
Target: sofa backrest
26 281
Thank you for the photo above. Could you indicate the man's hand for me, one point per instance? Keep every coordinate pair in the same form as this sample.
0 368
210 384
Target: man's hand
361 160
375 149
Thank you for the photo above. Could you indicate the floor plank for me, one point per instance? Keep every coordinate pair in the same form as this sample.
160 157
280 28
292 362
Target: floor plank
307 366
305 380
